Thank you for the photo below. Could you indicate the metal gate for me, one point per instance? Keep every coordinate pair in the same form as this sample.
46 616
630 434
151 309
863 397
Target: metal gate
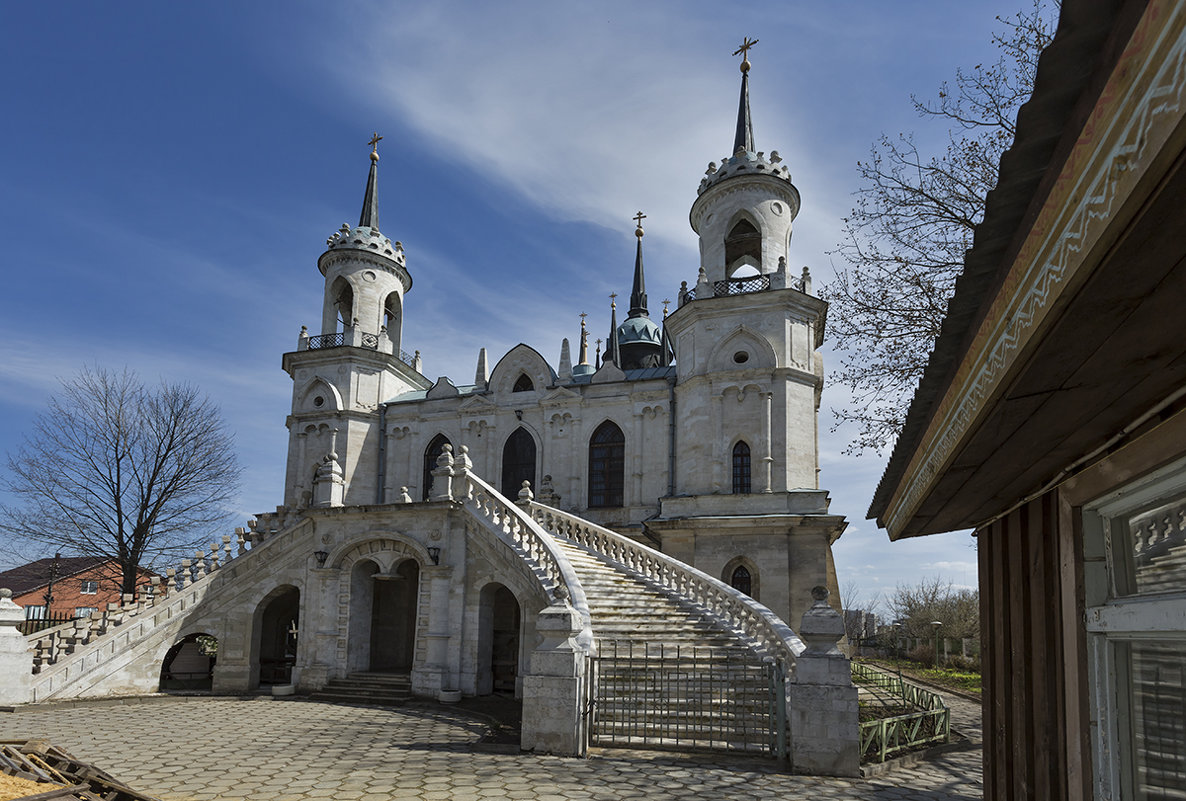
647 695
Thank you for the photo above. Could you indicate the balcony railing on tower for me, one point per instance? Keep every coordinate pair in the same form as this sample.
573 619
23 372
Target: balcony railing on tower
357 339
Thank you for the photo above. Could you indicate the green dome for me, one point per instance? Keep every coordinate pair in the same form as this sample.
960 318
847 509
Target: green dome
639 330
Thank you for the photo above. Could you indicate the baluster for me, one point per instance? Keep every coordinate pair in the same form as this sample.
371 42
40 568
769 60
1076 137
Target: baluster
199 565
186 577
226 548
240 536
171 578
214 556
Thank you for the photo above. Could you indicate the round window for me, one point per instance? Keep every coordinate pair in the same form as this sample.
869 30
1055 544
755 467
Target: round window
320 401
741 357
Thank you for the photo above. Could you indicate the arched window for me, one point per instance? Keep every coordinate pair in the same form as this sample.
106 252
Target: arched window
518 462
743 241
740 580
741 469
607 465
523 384
431 454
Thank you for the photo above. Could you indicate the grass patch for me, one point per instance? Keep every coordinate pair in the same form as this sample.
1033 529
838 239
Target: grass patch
950 678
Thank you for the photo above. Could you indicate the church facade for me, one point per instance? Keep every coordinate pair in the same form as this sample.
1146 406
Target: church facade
696 434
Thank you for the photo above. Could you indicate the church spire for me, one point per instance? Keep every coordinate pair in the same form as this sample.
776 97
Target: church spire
744 140
370 202
611 344
638 294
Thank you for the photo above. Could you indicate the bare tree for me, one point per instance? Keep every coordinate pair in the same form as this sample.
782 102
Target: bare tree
914 217
958 609
118 470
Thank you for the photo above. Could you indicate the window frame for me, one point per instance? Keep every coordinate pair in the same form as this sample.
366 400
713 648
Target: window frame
607 461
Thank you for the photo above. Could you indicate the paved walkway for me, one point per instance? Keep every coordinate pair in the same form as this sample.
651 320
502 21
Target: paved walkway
194 749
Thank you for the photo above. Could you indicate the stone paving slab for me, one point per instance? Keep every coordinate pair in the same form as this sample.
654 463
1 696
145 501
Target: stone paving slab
200 749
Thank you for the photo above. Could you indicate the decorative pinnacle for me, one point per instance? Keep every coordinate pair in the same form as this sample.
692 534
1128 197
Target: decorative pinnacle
613 300
638 218
374 143
666 303
743 51
583 316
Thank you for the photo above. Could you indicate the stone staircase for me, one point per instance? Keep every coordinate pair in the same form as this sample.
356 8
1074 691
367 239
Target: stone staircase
371 689
668 673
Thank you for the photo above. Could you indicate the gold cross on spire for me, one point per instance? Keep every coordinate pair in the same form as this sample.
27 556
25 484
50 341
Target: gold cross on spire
638 218
743 51
613 298
583 316
374 143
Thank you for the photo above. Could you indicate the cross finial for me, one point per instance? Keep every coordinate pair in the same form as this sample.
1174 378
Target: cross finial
583 316
638 218
743 51
374 143
613 297
666 303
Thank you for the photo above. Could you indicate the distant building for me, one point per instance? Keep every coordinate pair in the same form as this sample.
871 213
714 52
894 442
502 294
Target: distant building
1052 419
65 587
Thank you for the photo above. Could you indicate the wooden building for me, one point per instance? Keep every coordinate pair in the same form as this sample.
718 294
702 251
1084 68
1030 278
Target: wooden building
1052 420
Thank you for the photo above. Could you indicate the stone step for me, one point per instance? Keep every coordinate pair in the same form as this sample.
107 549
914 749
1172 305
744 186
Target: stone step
375 689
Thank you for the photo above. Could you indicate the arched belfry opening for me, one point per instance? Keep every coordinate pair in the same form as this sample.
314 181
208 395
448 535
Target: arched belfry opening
342 298
607 466
523 384
277 630
383 617
499 629
743 250
518 462
433 452
393 312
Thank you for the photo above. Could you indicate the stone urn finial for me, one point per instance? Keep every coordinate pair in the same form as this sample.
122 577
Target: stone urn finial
822 626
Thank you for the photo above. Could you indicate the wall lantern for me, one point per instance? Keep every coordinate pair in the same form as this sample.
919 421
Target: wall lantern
434 553
321 557
519 414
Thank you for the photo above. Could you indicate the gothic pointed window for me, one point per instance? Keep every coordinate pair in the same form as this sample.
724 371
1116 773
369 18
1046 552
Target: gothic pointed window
523 384
607 466
741 469
741 580
743 246
518 463
431 454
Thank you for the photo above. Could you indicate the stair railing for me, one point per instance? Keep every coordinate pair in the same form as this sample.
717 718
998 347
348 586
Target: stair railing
739 611
534 545
156 602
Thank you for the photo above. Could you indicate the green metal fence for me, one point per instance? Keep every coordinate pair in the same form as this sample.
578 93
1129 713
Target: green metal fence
895 734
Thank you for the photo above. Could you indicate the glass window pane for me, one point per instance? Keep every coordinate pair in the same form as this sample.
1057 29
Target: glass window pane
1154 548
1158 719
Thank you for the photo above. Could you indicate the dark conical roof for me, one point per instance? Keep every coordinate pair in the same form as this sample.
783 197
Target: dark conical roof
638 293
744 140
370 201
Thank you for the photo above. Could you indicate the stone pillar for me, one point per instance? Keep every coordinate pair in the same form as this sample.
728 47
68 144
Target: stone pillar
329 485
436 673
767 444
821 700
16 663
442 476
554 691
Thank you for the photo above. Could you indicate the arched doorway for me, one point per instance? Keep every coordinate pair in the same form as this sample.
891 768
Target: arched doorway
498 640
518 462
189 664
383 617
277 632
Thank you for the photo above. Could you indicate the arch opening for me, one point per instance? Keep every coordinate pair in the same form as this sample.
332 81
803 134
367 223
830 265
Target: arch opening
523 384
518 462
741 469
499 641
277 636
383 617
743 247
433 452
607 466
189 664
343 301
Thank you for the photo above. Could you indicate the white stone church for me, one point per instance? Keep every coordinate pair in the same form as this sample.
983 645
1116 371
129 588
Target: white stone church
527 531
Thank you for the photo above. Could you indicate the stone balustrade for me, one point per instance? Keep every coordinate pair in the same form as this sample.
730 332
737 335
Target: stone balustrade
49 646
534 545
740 612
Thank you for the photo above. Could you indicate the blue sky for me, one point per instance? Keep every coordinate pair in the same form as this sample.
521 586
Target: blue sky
169 173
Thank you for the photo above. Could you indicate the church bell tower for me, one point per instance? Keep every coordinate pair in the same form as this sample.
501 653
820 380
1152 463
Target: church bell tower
342 375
